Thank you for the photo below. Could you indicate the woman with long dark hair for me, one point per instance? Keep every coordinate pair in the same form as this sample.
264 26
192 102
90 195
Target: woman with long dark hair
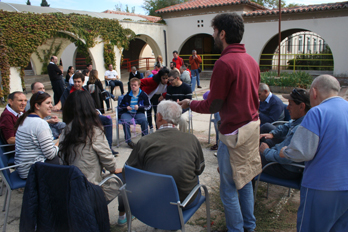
83 142
34 140
69 74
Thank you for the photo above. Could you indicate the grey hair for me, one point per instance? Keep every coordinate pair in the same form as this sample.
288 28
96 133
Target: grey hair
174 73
263 87
148 71
326 85
133 67
194 51
170 111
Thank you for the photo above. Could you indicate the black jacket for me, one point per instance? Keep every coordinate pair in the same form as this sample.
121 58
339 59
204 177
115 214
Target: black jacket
59 198
54 72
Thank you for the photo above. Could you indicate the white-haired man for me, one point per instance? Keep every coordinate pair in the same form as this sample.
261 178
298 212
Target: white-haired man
321 141
163 151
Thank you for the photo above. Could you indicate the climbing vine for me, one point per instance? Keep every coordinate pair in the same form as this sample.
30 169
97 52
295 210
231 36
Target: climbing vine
109 55
24 32
46 55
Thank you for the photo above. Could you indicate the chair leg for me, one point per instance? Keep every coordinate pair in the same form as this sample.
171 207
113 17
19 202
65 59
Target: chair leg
207 206
2 187
289 192
117 133
211 116
5 201
7 209
127 208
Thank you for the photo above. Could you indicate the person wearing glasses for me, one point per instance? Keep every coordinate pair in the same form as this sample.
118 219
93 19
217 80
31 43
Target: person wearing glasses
34 140
271 107
269 149
321 142
178 91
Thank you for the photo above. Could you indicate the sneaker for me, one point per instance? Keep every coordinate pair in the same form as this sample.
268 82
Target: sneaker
114 152
215 147
215 154
151 130
131 144
199 87
123 222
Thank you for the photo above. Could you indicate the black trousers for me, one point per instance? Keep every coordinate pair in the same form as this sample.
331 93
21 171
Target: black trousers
154 103
277 170
58 89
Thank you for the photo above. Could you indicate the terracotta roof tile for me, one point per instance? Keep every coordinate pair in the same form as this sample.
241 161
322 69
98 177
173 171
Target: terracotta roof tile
197 4
300 9
153 19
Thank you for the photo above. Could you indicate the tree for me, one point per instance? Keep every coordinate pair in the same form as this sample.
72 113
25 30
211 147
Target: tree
293 5
152 5
28 2
44 3
118 7
272 4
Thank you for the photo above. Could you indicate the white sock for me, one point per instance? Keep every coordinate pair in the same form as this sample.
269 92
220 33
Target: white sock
122 217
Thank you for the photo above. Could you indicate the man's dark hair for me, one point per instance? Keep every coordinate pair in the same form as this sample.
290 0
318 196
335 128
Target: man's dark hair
174 74
79 75
175 52
174 64
52 57
84 72
13 95
232 24
33 85
88 65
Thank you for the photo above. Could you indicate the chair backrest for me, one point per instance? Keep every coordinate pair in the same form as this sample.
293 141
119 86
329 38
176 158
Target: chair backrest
141 75
3 164
149 195
286 113
119 100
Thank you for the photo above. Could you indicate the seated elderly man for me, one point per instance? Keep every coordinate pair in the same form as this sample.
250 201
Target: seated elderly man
14 109
169 151
79 79
271 107
185 75
133 106
53 121
178 91
299 105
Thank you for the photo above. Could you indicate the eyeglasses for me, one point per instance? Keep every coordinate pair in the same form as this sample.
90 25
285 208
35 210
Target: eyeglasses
38 93
170 80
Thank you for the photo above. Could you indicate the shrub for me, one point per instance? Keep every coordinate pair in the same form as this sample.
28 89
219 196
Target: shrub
295 79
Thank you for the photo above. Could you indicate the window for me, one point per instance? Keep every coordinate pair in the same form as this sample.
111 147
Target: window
300 44
308 44
289 44
314 45
320 49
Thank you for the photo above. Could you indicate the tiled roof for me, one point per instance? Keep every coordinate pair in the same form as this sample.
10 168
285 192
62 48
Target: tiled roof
300 9
153 19
199 4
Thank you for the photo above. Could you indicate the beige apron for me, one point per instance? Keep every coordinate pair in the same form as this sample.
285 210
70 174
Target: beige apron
244 153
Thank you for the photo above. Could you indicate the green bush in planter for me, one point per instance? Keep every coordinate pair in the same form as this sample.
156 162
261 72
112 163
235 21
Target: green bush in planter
295 79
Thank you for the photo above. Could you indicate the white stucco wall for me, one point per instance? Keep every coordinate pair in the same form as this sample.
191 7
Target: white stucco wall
331 30
15 79
68 56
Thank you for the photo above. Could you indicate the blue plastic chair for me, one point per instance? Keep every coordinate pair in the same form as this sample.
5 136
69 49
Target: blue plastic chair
295 184
154 199
11 180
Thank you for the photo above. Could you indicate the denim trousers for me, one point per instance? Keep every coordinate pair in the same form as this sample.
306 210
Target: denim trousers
239 211
139 118
195 73
216 126
107 123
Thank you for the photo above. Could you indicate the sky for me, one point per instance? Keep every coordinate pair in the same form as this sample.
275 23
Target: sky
102 5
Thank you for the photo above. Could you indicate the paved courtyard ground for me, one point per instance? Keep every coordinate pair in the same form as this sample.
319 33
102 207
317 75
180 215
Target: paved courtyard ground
277 213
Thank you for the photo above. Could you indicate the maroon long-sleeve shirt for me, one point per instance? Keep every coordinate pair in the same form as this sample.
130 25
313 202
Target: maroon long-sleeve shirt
233 89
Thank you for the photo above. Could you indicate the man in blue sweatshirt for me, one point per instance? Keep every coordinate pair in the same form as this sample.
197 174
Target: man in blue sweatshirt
271 107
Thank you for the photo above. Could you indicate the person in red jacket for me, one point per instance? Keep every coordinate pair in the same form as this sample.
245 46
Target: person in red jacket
177 60
155 87
195 60
234 88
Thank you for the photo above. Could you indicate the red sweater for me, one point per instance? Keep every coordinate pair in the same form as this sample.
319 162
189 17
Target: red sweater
178 61
7 122
234 88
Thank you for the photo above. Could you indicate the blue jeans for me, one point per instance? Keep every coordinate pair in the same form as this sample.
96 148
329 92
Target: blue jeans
107 123
139 118
239 212
216 120
195 73
193 83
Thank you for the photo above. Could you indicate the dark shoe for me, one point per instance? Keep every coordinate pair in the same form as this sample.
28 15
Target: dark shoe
114 98
108 109
199 87
131 144
214 148
114 153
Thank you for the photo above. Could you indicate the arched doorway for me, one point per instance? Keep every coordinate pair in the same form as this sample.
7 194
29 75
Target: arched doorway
300 49
204 45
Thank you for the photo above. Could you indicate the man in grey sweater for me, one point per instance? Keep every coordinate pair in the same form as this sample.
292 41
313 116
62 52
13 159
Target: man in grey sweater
163 151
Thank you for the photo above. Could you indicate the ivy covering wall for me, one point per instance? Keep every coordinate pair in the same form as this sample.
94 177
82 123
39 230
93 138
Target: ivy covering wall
22 33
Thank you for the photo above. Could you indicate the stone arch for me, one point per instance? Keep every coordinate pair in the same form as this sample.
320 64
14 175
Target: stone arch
271 46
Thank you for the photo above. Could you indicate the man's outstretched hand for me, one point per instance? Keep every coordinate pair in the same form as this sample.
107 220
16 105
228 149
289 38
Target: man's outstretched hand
185 104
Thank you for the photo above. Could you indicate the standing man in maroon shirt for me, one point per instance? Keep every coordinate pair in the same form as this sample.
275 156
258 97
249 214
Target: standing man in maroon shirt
234 94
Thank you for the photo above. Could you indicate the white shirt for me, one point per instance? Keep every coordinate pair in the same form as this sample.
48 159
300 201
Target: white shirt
111 74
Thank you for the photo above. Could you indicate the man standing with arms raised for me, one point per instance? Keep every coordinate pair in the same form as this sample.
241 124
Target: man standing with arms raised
234 93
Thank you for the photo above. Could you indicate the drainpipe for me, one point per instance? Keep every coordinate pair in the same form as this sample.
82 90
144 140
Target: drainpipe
165 46
279 34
